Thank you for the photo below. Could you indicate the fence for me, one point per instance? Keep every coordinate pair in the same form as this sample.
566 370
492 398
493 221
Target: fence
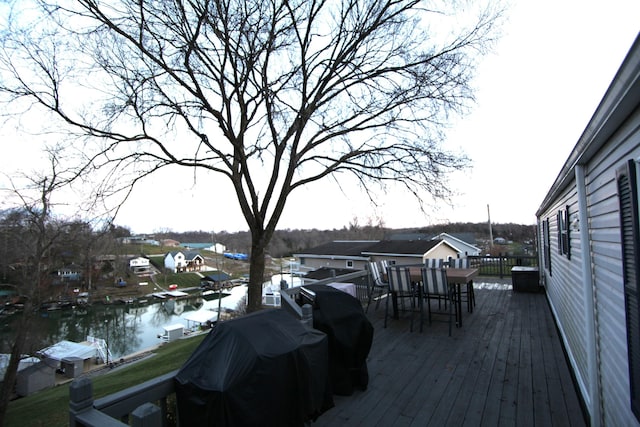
501 265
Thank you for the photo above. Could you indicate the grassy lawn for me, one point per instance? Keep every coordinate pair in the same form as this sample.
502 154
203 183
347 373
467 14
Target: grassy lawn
50 407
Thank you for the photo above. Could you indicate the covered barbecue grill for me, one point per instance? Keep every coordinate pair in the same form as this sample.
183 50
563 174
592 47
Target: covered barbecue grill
263 369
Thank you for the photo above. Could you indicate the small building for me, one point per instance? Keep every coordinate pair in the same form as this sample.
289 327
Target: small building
34 378
140 265
172 332
170 243
218 248
215 280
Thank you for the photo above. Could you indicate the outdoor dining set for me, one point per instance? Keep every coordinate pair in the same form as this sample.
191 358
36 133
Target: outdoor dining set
413 288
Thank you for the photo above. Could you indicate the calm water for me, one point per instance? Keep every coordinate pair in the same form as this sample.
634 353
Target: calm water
128 328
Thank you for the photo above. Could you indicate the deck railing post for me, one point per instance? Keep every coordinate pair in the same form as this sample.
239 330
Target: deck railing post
146 415
80 399
307 315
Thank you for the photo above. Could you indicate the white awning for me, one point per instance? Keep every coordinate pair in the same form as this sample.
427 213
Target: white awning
176 293
201 316
65 349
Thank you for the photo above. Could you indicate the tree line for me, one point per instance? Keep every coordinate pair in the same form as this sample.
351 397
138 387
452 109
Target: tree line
289 241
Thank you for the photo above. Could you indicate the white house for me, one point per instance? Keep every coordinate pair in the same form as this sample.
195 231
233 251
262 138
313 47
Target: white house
139 265
179 261
589 246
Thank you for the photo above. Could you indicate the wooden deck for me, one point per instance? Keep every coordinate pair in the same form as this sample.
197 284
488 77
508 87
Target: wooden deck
505 366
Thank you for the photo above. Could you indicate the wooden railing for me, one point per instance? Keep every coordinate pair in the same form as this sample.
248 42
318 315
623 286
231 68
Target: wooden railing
147 404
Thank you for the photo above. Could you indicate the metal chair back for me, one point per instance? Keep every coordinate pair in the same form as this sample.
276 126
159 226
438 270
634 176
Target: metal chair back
399 280
434 281
434 263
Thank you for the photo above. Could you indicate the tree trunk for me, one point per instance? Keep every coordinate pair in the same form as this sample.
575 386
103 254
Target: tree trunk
6 391
256 273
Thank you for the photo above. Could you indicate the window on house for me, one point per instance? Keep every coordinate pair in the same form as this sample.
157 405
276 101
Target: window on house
626 178
566 238
547 244
563 233
349 263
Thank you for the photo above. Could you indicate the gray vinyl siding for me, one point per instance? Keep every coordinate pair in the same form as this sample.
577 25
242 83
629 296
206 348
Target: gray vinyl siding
607 271
610 140
319 262
565 289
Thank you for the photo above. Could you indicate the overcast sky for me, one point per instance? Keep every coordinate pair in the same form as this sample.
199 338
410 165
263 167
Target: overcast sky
535 95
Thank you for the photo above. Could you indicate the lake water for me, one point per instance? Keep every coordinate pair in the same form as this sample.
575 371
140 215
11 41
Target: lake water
127 328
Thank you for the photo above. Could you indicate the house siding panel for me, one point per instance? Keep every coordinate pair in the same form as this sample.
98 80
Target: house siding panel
611 139
607 271
606 265
564 289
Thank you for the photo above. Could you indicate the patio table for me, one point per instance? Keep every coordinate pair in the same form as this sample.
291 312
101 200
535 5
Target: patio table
455 277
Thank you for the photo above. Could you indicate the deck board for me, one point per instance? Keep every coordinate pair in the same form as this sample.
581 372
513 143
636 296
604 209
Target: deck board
505 366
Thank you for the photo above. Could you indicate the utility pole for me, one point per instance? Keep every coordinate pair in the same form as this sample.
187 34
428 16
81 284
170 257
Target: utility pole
490 230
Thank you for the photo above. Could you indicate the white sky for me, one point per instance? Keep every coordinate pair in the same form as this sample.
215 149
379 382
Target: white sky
535 95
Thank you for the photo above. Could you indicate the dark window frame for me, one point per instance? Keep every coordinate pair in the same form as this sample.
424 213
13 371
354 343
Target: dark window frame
564 237
546 238
566 234
627 185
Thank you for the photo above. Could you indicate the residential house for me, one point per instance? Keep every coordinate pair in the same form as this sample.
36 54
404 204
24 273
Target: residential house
138 240
355 254
218 248
336 254
170 243
179 261
589 246
70 273
461 243
410 251
140 265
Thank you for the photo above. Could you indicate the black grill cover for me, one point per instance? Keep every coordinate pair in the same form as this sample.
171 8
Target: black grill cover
341 317
263 369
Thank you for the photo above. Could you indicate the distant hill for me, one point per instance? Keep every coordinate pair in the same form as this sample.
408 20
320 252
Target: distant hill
286 242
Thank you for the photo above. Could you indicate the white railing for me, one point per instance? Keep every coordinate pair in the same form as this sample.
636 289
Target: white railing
101 348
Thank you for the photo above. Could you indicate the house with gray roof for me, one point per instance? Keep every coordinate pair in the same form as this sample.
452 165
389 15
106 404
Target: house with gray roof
336 254
461 242
355 254
410 251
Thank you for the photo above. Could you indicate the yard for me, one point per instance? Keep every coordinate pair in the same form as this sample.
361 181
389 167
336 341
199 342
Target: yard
51 407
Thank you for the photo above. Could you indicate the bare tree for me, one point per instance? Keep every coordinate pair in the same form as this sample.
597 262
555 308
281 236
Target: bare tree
38 238
34 221
270 94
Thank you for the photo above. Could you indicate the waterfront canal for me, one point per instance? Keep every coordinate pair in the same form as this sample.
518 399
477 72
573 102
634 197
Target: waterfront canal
127 328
